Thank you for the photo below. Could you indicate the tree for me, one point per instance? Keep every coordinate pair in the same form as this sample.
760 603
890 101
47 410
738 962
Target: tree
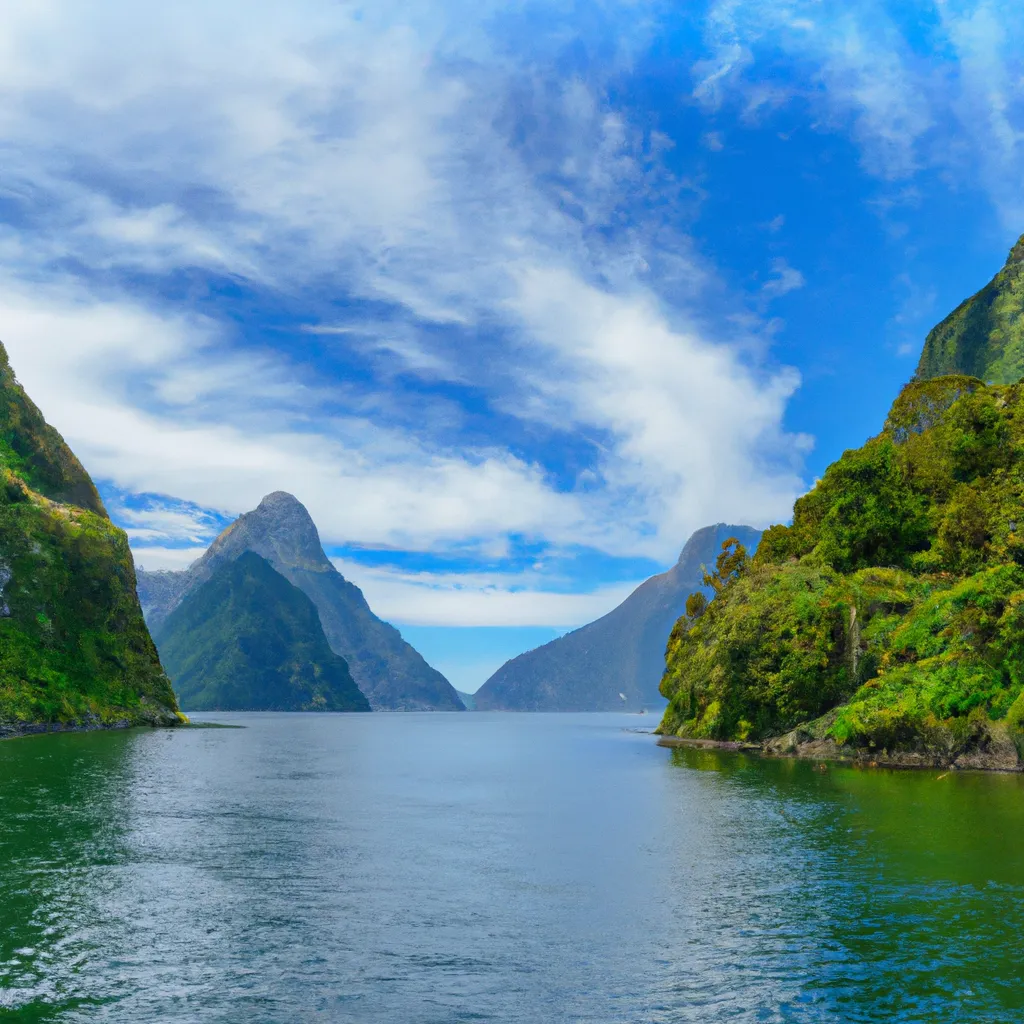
732 562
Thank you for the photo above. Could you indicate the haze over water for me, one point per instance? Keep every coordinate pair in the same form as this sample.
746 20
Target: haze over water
478 867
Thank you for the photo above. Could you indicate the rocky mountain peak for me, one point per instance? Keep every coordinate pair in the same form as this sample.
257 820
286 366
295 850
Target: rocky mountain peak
281 503
623 652
280 529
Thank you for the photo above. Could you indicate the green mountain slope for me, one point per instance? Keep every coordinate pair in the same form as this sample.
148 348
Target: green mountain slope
248 640
389 671
984 336
890 615
74 649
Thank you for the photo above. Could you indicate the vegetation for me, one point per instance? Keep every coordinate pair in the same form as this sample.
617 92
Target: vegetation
74 649
892 609
248 640
983 336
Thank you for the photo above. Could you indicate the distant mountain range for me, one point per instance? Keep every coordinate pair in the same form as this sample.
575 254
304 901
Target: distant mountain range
391 674
248 640
621 655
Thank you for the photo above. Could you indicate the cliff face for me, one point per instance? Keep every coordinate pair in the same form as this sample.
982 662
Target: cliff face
247 640
74 649
621 653
984 336
889 618
392 675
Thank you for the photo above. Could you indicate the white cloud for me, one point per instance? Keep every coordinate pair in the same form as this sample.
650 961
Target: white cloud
315 152
396 343
682 412
852 57
380 489
989 101
165 523
955 105
785 279
478 599
155 557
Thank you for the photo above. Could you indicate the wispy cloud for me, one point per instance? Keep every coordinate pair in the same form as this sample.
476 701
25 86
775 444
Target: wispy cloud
405 493
511 233
479 599
929 86
784 279
167 524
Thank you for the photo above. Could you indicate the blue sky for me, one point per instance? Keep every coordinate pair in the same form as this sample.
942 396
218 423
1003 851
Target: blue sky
513 297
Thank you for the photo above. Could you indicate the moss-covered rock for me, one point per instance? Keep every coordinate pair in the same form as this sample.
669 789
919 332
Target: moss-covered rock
890 615
74 649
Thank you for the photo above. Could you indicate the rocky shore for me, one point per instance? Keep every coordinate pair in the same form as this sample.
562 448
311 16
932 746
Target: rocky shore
10 730
992 748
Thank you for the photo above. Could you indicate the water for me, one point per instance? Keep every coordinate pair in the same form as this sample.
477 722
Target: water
444 868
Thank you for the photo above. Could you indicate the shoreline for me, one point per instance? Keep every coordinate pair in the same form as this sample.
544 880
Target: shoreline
999 756
22 730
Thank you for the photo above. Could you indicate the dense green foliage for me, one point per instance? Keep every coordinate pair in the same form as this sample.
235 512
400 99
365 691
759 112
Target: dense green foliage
36 453
74 648
894 601
983 336
248 640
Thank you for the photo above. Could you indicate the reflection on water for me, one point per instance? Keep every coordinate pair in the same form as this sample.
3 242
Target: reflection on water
443 868
62 817
858 895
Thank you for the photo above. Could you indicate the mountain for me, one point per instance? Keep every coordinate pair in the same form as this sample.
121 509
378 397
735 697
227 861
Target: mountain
392 675
984 336
74 648
247 640
622 652
887 622
468 700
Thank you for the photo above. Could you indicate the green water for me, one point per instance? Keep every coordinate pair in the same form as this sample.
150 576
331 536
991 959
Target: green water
445 868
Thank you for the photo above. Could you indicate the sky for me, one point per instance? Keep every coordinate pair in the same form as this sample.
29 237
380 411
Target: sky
513 297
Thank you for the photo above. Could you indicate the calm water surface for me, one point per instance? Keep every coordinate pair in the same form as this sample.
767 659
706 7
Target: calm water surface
541 868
